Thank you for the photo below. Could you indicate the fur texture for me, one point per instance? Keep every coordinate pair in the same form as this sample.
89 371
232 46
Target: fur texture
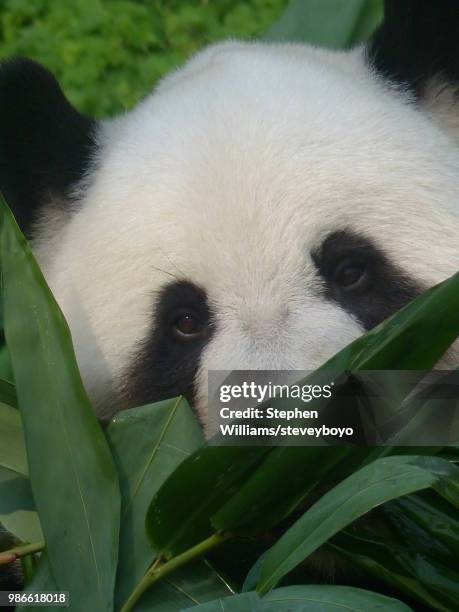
229 176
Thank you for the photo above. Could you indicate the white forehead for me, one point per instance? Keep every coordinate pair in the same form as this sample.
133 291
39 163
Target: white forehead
234 168
252 152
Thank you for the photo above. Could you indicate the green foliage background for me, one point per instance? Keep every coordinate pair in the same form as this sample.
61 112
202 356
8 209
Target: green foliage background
107 54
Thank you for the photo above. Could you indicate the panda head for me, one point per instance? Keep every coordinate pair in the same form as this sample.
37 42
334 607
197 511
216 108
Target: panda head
263 207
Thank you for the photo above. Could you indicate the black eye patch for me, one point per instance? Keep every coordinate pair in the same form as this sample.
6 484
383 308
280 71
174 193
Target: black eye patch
360 277
167 361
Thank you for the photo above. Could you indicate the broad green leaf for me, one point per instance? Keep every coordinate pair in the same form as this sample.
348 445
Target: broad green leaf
179 514
17 509
8 393
192 585
338 24
369 19
73 478
450 452
308 597
375 484
404 561
431 519
238 603
6 371
258 505
414 338
147 443
12 445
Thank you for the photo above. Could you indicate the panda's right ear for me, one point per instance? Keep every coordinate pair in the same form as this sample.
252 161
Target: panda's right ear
45 144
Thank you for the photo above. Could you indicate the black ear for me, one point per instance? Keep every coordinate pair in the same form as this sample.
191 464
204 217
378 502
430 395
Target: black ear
418 40
45 144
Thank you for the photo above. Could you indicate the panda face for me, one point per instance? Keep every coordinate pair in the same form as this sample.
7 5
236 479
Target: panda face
261 209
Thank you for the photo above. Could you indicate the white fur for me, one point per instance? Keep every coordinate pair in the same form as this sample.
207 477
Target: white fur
228 175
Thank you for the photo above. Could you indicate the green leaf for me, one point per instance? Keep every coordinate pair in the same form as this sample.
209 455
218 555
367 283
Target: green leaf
73 478
12 445
6 371
309 597
179 514
258 505
8 393
17 509
375 484
404 559
195 584
148 443
369 19
414 338
338 24
238 603
432 515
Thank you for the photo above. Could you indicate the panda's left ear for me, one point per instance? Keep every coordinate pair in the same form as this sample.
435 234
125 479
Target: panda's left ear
417 45
45 144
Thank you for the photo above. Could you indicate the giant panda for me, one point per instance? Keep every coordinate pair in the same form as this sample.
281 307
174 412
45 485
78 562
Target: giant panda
264 206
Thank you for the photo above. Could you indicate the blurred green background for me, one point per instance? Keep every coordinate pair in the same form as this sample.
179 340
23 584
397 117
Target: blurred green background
107 54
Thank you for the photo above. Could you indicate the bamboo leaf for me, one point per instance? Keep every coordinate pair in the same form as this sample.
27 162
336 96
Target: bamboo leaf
375 484
148 443
17 508
309 597
205 480
8 393
337 24
74 482
257 506
192 585
431 515
12 444
406 559
414 338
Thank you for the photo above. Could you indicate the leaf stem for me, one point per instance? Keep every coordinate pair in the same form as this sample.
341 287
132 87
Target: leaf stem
8 556
29 565
159 571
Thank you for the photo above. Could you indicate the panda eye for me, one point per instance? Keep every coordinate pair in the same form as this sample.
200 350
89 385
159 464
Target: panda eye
350 274
186 325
